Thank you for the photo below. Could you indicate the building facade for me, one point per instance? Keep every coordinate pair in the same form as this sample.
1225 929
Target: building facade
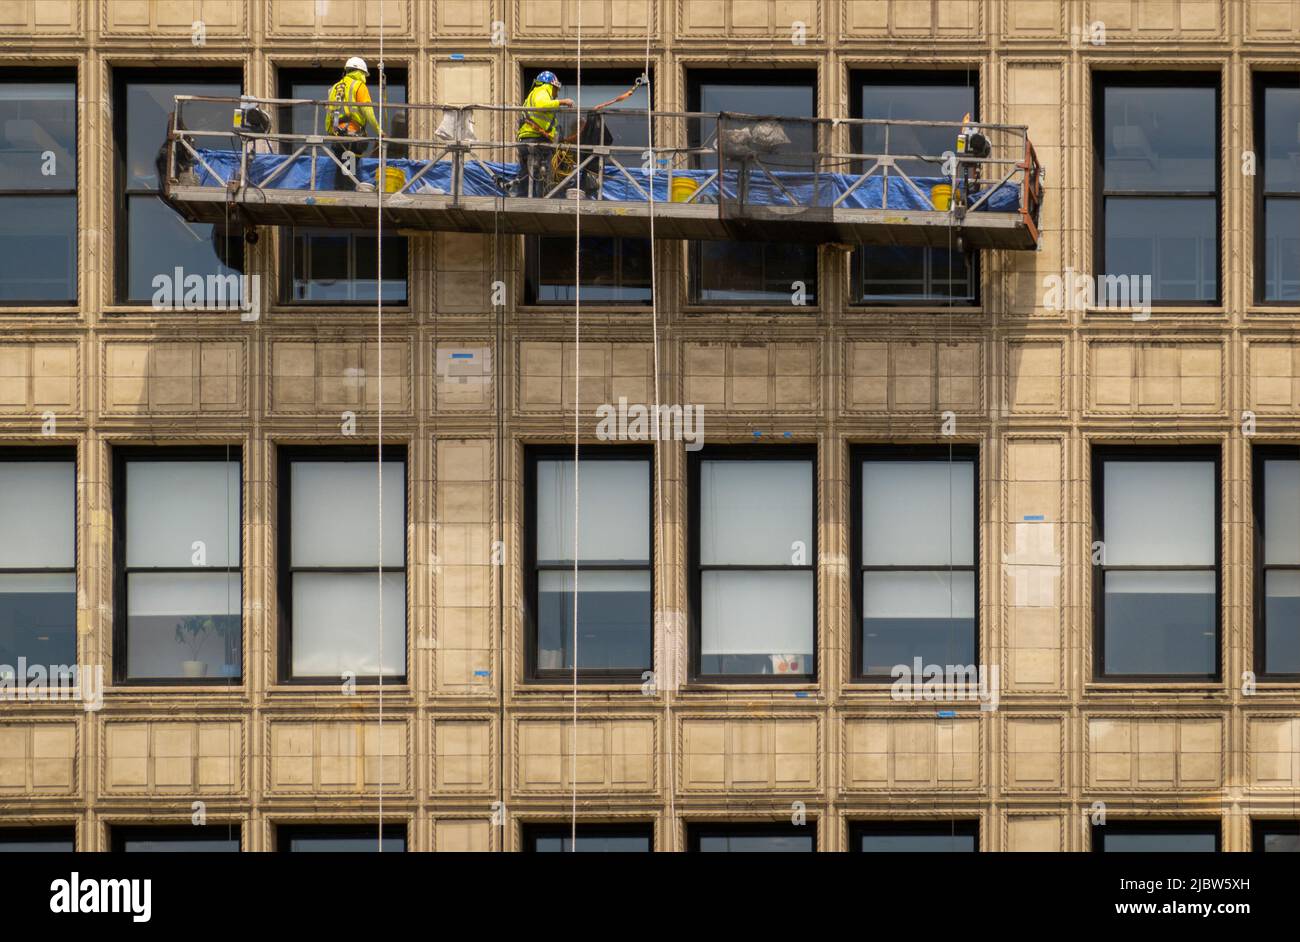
1112 569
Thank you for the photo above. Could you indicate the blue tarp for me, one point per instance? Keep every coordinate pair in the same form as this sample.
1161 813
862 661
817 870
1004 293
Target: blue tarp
487 179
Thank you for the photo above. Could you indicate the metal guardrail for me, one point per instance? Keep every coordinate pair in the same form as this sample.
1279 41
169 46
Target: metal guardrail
730 157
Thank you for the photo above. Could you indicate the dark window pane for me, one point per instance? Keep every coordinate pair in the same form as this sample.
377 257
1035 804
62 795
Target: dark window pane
1282 140
37 840
906 273
38 619
750 841
613 270
359 839
1160 139
38 248
1282 622
1157 841
925 614
930 840
159 241
176 840
1174 241
591 839
38 136
147 106
1282 249
1278 840
1160 622
614 620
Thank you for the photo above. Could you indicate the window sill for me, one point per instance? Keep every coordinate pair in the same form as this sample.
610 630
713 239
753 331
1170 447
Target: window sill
906 310
1156 689
1157 312
312 309
26 309
755 312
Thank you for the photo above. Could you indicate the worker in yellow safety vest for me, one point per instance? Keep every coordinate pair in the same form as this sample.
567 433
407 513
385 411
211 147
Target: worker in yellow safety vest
537 131
350 115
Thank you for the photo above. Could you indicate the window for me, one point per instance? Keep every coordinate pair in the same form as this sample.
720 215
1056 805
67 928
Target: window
1277 187
329 565
913 274
733 272
1275 837
214 839
152 240
614 271
38 189
594 838
38 840
614 598
338 266
38 559
1156 837
915 837
1277 561
350 838
752 838
754 553
1156 563
916 590
177 551
1157 141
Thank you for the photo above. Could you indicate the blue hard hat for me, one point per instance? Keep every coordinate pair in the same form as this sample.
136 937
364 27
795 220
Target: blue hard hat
547 78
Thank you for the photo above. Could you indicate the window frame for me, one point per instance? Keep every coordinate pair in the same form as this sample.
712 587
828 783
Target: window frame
617 452
122 454
1101 453
697 830
1261 80
696 568
858 456
532 831
694 79
1097 832
20 454
859 80
1260 828
530 266
285 78
1102 79
39 833
118 835
286 456
960 827
332 830
122 79
58 76
1259 457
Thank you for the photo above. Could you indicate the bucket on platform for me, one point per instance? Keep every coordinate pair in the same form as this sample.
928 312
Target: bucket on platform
683 188
941 196
394 179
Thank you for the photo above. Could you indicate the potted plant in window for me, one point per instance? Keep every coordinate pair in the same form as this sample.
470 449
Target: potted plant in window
193 632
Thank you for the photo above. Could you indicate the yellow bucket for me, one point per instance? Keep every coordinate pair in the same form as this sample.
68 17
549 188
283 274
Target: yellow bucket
683 188
941 196
394 179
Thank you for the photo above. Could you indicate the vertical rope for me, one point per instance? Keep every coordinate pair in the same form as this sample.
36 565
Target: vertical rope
380 180
577 427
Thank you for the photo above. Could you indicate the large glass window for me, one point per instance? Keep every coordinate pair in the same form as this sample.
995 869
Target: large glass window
915 837
592 838
179 588
752 838
1158 838
38 190
754 570
152 239
614 271
38 564
1277 183
334 839
734 272
614 599
330 560
884 274
213 839
1275 837
57 840
1158 213
1156 570
915 549
338 266
1277 553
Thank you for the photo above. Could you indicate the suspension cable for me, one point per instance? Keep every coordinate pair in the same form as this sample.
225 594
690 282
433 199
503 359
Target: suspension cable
577 423
380 182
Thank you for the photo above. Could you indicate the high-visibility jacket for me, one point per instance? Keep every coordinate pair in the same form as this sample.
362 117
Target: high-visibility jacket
353 114
539 124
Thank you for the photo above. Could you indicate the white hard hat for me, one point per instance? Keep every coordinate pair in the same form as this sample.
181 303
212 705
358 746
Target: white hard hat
356 62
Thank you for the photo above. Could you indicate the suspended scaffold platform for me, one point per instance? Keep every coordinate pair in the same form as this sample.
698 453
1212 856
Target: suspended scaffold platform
707 176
